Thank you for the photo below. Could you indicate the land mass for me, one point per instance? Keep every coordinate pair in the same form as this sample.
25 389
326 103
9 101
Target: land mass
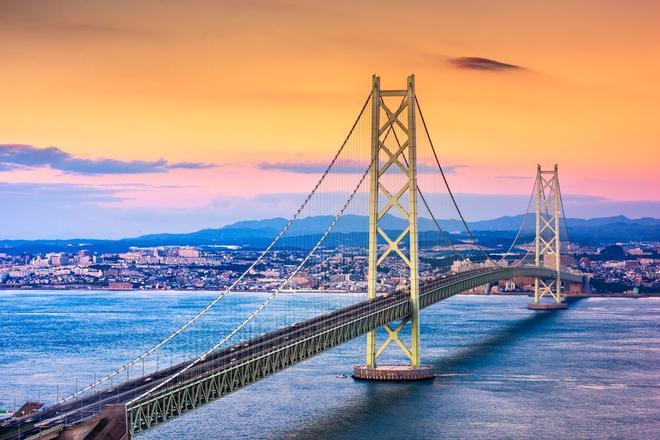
258 233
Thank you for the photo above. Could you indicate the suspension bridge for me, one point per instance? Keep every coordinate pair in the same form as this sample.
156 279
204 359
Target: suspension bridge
376 168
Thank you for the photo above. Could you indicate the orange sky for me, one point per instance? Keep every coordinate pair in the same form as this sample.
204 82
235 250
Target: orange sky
238 82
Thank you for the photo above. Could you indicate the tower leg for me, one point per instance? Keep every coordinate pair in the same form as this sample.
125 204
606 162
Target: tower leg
394 150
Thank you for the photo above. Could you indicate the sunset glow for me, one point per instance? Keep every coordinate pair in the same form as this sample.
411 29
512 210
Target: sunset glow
217 89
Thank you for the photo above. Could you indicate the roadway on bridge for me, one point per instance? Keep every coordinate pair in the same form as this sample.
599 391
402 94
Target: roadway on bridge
76 411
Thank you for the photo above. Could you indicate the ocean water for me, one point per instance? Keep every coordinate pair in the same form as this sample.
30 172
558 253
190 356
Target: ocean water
504 372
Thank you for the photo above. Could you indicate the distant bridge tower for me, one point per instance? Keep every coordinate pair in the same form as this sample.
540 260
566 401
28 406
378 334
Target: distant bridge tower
547 244
393 187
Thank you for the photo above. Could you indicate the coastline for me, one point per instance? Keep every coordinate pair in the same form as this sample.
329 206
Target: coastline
78 288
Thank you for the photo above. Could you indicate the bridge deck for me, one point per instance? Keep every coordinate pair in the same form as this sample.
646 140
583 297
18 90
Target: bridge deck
235 367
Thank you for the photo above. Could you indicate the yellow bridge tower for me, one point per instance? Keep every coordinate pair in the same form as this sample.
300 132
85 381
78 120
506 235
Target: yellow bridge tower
547 244
393 188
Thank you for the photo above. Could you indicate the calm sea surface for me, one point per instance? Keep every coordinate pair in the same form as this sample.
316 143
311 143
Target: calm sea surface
504 372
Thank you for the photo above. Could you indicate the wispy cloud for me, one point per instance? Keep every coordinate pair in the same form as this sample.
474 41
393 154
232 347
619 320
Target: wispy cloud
65 194
345 167
478 63
513 177
190 165
433 168
310 167
17 156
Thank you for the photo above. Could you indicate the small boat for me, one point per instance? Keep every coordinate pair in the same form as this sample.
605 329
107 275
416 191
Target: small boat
341 376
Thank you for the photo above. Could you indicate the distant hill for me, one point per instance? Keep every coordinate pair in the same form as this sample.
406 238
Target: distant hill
257 233
604 226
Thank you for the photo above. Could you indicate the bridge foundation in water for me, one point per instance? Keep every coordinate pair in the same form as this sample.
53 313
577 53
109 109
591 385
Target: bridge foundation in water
547 306
393 372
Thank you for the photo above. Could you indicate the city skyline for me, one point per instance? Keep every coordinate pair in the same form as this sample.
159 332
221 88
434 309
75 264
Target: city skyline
123 120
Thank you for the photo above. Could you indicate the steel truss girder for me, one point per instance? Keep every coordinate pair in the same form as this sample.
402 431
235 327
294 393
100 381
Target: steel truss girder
187 395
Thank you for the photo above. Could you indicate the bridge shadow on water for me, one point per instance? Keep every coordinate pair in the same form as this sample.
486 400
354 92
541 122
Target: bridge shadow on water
383 401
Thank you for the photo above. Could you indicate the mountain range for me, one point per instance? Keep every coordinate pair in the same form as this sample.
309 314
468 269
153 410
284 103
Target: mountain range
257 233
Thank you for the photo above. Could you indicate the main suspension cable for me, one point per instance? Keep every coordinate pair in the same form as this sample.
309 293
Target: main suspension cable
451 194
563 215
265 303
522 223
155 347
428 208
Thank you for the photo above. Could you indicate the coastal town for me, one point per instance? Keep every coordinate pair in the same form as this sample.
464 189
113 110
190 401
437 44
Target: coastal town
629 267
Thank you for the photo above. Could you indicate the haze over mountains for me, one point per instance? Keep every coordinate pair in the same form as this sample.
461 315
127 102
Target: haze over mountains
257 233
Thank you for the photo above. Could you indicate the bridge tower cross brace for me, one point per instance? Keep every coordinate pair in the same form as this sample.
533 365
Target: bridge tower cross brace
547 232
400 123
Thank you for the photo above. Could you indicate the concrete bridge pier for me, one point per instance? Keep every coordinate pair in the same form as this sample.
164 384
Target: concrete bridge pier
394 372
547 306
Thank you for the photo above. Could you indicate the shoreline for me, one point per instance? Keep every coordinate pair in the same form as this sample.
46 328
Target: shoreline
308 292
101 289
